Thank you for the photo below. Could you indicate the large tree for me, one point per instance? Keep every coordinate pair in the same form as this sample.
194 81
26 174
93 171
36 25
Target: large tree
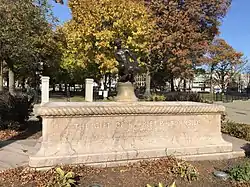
95 25
182 32
224 61
25 26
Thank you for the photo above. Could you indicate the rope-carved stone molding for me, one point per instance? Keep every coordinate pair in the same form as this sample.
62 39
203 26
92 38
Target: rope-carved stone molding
128 110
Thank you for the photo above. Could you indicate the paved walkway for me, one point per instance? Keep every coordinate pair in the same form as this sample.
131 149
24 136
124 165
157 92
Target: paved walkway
14 153
238 111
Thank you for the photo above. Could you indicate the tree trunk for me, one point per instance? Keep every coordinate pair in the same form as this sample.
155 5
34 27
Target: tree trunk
110 82
148 86
223 84
105 82
211 89
1 76
211 84
11 81
184 85
60 87
239 84
67 91
65 88
54 87
23 84
172 85
83 87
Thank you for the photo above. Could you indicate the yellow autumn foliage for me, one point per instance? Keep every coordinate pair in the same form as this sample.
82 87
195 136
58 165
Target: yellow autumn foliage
94 27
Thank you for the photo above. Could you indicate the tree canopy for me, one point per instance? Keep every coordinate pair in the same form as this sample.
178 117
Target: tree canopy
22 26
183 31
171 36
224 61
26 35
95 25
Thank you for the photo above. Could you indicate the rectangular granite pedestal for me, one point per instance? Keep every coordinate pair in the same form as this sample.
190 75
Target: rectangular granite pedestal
112 133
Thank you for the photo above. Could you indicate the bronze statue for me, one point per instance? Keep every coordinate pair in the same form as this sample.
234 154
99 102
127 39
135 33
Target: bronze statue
126 69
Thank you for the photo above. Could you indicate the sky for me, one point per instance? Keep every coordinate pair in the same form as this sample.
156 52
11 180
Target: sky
61 11
235 28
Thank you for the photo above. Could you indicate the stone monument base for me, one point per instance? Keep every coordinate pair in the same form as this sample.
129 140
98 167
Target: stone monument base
114 133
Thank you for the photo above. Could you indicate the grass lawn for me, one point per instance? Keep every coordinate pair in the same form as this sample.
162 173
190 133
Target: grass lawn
65 99
73 99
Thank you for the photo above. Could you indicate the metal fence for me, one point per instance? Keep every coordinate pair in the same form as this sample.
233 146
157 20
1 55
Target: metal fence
225 97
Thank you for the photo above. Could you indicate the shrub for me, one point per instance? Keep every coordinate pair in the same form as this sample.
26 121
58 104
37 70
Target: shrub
186 171
156 97
183 96
14 108
237 130
176 96
240 172
223 117
161 185
63 179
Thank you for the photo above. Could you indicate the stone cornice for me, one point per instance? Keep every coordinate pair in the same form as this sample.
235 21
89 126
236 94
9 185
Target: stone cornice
122 108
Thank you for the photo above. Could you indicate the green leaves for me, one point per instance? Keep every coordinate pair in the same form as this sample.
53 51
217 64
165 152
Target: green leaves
173 185
69 175
60 172
170 35
25 33
240 172
161 185
186 171
64 179
89 36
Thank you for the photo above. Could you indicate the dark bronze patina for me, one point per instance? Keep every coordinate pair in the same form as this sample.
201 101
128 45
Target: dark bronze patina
126 69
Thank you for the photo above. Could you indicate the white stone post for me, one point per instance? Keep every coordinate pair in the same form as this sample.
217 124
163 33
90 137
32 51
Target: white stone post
89 90
105 94
45 90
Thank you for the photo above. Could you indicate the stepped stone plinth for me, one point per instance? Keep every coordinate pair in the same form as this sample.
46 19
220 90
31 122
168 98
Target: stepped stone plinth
114 133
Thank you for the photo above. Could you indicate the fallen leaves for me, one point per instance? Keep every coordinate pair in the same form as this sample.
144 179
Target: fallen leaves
28 176
136 174
8 134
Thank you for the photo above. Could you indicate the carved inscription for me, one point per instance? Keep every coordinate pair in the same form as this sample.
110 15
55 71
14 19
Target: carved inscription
151 124
136 128
174 131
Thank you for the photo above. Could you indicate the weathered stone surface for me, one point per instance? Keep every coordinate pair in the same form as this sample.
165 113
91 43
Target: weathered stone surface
111 133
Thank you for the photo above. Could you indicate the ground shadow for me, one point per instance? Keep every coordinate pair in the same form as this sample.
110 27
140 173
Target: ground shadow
33 128
242 113
246 148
